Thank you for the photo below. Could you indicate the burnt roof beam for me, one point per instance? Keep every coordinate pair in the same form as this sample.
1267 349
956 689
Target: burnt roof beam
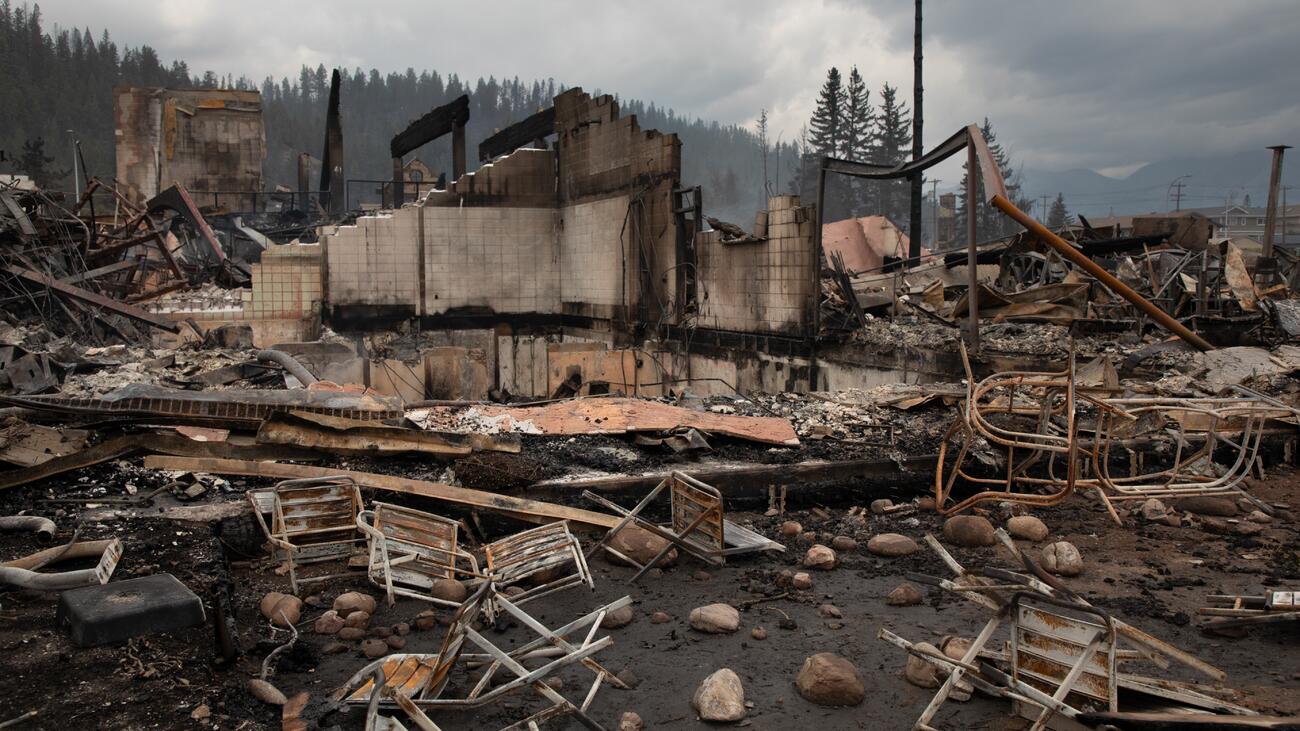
519 134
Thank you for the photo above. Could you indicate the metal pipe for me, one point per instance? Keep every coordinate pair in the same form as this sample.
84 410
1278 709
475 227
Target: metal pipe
972 252
36 560
48 582
1105 277
289 363
42 527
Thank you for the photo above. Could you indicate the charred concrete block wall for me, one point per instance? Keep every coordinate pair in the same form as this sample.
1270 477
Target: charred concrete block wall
205 139
585 229
766 286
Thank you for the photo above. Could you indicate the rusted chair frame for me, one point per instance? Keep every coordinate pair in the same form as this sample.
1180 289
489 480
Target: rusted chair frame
281 536
428 546
974 422
416 691
515 558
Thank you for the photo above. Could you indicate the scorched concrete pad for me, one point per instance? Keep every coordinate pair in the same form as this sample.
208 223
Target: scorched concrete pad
118 610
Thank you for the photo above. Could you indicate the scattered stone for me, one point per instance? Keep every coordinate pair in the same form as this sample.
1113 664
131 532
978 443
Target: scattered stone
1259 516
790 529
374 649
829 680
784 578
354 601
720 697
381 633
425 621
276 604
641 546
844 543
554 682
1063 559
1219 507
971 531
449 590
904 595
660 618
266 693
328 623
351 633
808 537
1027 528
819 557
830 611
402 628
954 647
921 673
701 575
925 503
758 633
1153 509
715 619
620 617
630 722
628 677
358 619
892 544
881 506
201 712
801 581
333 648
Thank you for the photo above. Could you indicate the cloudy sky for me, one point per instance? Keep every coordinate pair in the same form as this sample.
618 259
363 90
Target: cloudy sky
1101 84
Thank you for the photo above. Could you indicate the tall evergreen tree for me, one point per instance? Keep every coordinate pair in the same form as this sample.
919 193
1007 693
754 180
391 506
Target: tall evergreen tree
893 145
826 131
991 224
859 141
37 165
1058 216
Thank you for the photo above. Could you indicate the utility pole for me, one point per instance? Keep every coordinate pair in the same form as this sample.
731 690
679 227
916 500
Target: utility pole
914 251
76 175
1270 217
934 193
1177 187
1043 212
1285 188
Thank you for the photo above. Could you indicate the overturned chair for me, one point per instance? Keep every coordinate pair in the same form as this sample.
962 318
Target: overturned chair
410 550
548 557
698 525
418 683
312 520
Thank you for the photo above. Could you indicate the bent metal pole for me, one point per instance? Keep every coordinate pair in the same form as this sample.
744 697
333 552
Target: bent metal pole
1106 278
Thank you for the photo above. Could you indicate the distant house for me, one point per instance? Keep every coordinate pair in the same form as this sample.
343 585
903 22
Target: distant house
866 243
1248 221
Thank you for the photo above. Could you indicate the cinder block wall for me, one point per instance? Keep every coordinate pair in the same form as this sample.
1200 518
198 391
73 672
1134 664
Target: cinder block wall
376 261
761 287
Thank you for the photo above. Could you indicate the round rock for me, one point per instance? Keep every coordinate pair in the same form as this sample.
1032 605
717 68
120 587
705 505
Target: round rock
830 680
354 601
720 698
801 581
819 557
282 609
640 545
358 619
920 673
892 544
630 722
904 595
790 529
1027 528
374 648
448 590
715 619
1063 559
844 543
328 623
971 531
620 617
1219 507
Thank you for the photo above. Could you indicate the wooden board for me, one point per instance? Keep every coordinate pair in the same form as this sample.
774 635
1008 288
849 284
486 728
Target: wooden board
622 415
530 510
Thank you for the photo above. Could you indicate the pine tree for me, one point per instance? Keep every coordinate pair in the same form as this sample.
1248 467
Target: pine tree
36 164
826 128
893 146
762 143
1058 216
859 125
990 224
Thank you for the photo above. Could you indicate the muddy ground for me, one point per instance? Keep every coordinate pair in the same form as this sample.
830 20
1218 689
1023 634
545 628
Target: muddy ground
1153 576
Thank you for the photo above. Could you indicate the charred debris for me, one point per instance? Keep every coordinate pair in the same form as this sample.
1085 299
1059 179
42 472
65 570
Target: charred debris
474 456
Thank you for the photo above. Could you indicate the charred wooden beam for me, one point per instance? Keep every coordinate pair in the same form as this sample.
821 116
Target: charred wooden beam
450 117
331 172
517 135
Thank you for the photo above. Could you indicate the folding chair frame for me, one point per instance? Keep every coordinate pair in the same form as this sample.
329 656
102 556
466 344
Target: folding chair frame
416 693
433 547
698 525
281 535
522 555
